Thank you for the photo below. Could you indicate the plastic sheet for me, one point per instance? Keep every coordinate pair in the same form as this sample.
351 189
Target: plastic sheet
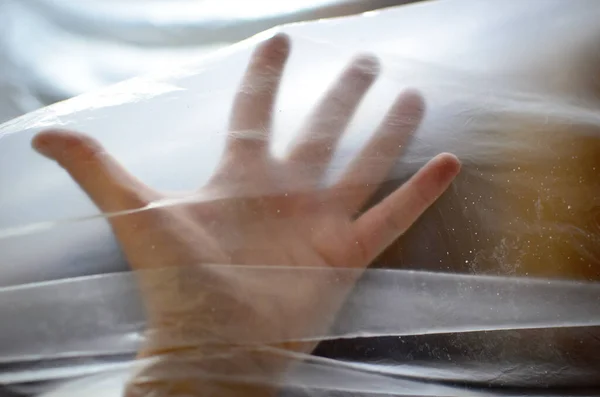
49 339
53 50
499 286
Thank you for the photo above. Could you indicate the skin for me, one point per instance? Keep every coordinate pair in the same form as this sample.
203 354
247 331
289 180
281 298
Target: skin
269 212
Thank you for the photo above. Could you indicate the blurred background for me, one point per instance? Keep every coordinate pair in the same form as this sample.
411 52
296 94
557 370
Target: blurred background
51 50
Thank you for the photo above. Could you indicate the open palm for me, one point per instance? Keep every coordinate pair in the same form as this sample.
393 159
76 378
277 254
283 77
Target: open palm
261 210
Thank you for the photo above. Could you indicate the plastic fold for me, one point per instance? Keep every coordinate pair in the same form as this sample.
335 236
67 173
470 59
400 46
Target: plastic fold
49 340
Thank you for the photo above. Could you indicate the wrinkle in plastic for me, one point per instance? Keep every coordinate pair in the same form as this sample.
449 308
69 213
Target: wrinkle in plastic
55 50
386 303
495 285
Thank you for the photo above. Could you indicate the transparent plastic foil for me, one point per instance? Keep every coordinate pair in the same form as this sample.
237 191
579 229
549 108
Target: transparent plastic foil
274 218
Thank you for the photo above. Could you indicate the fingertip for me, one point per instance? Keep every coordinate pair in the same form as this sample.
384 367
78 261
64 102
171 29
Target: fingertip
48 136
281 39
56 143
368 61
277 46
366 65
413 99
406 114
45 142
449 159
448 166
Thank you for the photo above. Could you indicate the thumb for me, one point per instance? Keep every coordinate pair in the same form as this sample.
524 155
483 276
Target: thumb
99 174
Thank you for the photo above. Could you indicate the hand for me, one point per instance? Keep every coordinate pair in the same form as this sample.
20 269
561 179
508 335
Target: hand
260 210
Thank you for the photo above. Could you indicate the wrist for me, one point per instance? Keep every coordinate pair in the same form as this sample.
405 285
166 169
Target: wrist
221 370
